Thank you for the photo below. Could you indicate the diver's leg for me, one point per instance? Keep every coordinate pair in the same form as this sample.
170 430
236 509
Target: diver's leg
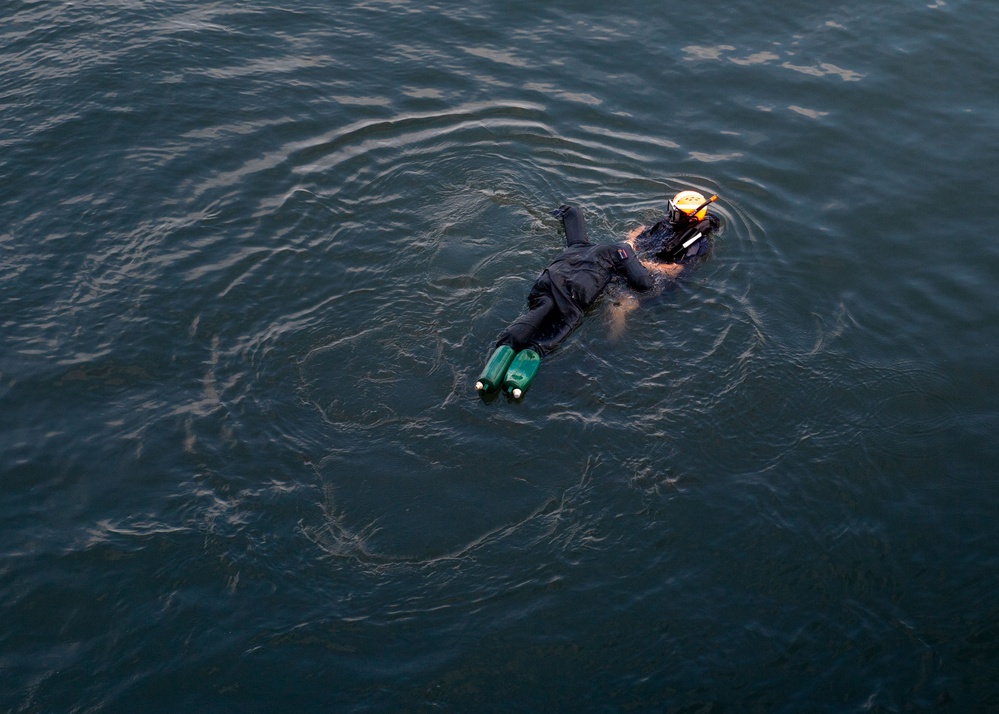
515 338
514 364
563 328
520 332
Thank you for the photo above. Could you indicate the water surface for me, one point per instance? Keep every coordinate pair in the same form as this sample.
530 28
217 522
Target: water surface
252 259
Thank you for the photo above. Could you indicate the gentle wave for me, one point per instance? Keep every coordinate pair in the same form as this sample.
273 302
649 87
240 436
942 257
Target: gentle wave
252 259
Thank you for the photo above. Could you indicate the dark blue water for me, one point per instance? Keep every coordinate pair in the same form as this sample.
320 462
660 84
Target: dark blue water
252 259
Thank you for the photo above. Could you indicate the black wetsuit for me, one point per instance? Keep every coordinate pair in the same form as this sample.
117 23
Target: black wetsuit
669 243
569 285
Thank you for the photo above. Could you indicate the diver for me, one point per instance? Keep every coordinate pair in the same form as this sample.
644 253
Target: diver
569 285
667 247
681 236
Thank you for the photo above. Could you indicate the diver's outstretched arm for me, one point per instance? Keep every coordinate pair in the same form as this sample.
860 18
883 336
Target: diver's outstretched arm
574 224
633 234
670 270
618 313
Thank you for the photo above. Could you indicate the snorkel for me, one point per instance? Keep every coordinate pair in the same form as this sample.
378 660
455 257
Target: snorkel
683 216
704 205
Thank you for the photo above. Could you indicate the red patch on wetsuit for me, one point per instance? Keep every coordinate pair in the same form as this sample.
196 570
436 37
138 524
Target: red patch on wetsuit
623 253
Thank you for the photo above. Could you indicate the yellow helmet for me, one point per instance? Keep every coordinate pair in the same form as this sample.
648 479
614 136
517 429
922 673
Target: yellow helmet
683 205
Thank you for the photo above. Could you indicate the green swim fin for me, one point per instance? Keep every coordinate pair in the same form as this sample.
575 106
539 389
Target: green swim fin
495 368
521 373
